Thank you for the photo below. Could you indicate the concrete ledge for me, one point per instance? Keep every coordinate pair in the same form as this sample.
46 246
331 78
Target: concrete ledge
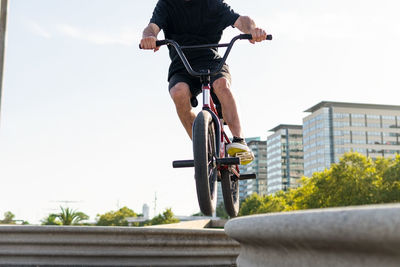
197 224
115 246
356 236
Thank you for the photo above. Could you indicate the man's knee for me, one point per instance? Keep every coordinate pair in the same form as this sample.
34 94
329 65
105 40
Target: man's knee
180 92
222 86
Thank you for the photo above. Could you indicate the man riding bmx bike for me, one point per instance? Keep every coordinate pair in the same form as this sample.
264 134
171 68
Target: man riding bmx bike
193 22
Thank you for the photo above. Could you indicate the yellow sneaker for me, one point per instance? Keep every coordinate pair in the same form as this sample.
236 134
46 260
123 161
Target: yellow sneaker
238 148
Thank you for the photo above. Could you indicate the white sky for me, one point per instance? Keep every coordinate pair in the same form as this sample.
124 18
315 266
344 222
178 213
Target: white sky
86 115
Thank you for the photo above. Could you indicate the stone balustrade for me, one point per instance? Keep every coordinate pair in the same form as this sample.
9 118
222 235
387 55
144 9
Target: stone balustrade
355 236
115 246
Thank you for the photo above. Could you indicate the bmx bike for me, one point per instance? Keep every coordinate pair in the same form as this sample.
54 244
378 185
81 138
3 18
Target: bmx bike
210 160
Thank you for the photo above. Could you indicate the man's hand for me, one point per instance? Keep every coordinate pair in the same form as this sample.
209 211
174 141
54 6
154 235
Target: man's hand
246 25
150 37
258 35
149 43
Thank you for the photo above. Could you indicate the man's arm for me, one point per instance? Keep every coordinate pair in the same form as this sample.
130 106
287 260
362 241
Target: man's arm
149 37
246 25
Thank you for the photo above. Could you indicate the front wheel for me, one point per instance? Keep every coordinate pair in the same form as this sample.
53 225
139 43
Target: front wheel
230 192
205 166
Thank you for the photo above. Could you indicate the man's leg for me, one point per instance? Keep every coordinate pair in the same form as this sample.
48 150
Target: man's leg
180 94
229 109
238 147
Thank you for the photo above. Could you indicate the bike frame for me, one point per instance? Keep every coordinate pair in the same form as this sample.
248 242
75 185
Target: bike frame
208 105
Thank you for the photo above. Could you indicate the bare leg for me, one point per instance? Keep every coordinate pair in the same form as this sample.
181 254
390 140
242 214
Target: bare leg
181 95
229 109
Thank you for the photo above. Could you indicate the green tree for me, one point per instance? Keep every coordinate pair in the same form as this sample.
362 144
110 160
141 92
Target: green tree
67 216
51 220
221 212
251 205
8 218
274 203
166 218
255 204
389 190
115 218
354 180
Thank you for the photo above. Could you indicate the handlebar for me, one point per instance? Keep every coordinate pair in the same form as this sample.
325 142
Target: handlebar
188 67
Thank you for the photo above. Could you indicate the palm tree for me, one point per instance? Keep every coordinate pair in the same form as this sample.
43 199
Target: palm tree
69 216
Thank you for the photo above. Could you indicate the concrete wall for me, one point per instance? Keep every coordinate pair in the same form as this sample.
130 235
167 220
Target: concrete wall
115 246
357 236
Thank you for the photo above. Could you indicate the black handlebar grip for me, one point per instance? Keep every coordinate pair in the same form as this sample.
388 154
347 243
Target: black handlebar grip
245 37
249 37
158 43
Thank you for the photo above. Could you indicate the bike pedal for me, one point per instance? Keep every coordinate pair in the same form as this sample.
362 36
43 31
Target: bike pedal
248 176
245 157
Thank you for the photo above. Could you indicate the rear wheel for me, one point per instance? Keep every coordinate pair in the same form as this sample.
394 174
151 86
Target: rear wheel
205 166
230 192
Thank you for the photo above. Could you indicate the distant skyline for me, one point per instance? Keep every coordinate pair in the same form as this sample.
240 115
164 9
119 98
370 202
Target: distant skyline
86 115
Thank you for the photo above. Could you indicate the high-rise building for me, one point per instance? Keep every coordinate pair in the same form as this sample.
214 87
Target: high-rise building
334 128
284 157
257 166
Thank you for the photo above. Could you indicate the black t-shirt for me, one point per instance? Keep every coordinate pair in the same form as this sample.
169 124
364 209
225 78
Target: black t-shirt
193 22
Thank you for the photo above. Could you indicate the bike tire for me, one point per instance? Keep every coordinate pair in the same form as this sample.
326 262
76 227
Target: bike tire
205 167
230 192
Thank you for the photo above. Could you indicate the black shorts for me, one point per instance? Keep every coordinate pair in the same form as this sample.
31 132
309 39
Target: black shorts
194 82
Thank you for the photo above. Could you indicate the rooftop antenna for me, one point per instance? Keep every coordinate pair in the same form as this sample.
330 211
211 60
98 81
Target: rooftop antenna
65 202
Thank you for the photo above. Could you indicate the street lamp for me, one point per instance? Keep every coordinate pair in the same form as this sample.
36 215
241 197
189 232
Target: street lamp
3 27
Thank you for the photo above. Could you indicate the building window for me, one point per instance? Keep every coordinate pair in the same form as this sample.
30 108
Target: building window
358 124
357 116
376 117
340 115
